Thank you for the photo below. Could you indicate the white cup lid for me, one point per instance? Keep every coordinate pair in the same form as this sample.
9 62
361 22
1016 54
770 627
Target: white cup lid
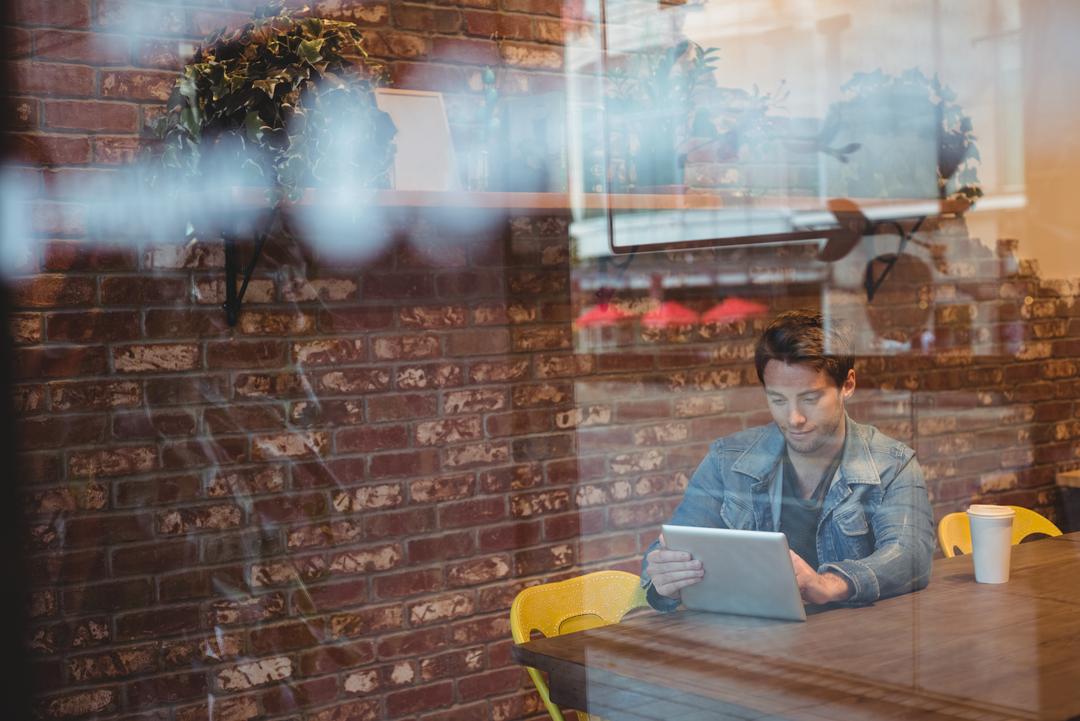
990 511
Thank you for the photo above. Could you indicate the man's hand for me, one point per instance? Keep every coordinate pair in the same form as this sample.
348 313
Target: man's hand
672 571
817 587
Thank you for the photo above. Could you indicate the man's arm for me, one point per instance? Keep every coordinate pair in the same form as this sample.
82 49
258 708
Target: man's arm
903 541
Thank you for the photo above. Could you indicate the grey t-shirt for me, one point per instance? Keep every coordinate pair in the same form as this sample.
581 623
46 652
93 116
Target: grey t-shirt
799 517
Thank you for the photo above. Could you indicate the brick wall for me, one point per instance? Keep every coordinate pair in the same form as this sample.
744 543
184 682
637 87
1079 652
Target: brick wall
325 512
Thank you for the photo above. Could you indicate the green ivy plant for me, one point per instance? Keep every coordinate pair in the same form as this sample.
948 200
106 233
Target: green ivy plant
287 101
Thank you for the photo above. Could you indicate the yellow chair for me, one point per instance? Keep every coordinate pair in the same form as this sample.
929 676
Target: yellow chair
954 530
576 604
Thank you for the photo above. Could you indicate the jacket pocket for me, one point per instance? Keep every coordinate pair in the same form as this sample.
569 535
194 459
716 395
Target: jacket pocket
737 513
851 520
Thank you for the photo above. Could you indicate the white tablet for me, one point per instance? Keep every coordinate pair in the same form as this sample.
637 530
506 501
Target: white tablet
746 572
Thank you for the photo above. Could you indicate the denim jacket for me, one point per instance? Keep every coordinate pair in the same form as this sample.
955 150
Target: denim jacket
875 529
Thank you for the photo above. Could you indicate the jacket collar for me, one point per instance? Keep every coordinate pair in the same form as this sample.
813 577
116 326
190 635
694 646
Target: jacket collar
857 465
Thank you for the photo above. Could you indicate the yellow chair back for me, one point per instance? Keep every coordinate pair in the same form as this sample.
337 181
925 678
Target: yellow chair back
954 530
576 604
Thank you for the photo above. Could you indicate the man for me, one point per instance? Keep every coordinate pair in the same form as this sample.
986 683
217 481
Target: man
851 501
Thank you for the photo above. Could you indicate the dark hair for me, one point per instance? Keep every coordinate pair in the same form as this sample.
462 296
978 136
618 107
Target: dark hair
800 337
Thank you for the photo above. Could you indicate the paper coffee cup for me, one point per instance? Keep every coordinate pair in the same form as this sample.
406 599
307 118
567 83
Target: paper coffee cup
991 541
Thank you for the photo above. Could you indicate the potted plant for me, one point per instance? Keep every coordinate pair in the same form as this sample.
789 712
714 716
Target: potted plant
285 102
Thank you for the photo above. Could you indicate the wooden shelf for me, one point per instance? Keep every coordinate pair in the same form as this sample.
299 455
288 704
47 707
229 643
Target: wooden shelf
555 202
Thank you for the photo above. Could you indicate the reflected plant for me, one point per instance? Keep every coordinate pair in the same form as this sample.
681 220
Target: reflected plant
286 101
655 99
904 105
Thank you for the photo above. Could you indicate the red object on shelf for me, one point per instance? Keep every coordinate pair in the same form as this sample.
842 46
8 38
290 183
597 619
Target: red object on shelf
732 309
669 313
600 315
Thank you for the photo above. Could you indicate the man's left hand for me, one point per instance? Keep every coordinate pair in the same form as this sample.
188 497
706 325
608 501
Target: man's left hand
818 588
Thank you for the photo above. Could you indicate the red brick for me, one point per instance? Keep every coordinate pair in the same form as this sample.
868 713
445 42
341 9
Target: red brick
289 508
438 548
240 418
491 683
371 439
246 354
241 610
509 536
106 530
142 291
329 352
353 381
519 423
156 624
333 658
476 571
189 389
298 696
332 473
91 116
475 52
217 517
115 150
80 256
327 413
402 703
160 54
81 47
330 596
366 621
543 560
40 467
366 710
408 583
401 406
61 13
356 319
71 565
426 19
204 452
137 84
119 461
19 43
51 78
200 583
49 291
487 341
414 463
472 512
512 478
112 596
397 286
167 689
425 76
187 323
93 326
492 628
156 357
412 643
80 703
60 431
285 637
396 524
153 558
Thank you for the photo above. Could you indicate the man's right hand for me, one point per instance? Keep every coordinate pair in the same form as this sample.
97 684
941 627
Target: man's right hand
672 571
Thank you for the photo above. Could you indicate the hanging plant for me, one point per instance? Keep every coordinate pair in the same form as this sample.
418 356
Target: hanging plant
286 102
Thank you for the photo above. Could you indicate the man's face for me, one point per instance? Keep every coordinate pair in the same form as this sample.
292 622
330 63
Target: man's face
807 406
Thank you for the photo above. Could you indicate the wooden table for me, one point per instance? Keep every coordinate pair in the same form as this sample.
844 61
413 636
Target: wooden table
956 650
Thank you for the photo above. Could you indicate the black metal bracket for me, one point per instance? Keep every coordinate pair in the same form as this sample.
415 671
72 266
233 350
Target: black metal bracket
888 260
233 297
